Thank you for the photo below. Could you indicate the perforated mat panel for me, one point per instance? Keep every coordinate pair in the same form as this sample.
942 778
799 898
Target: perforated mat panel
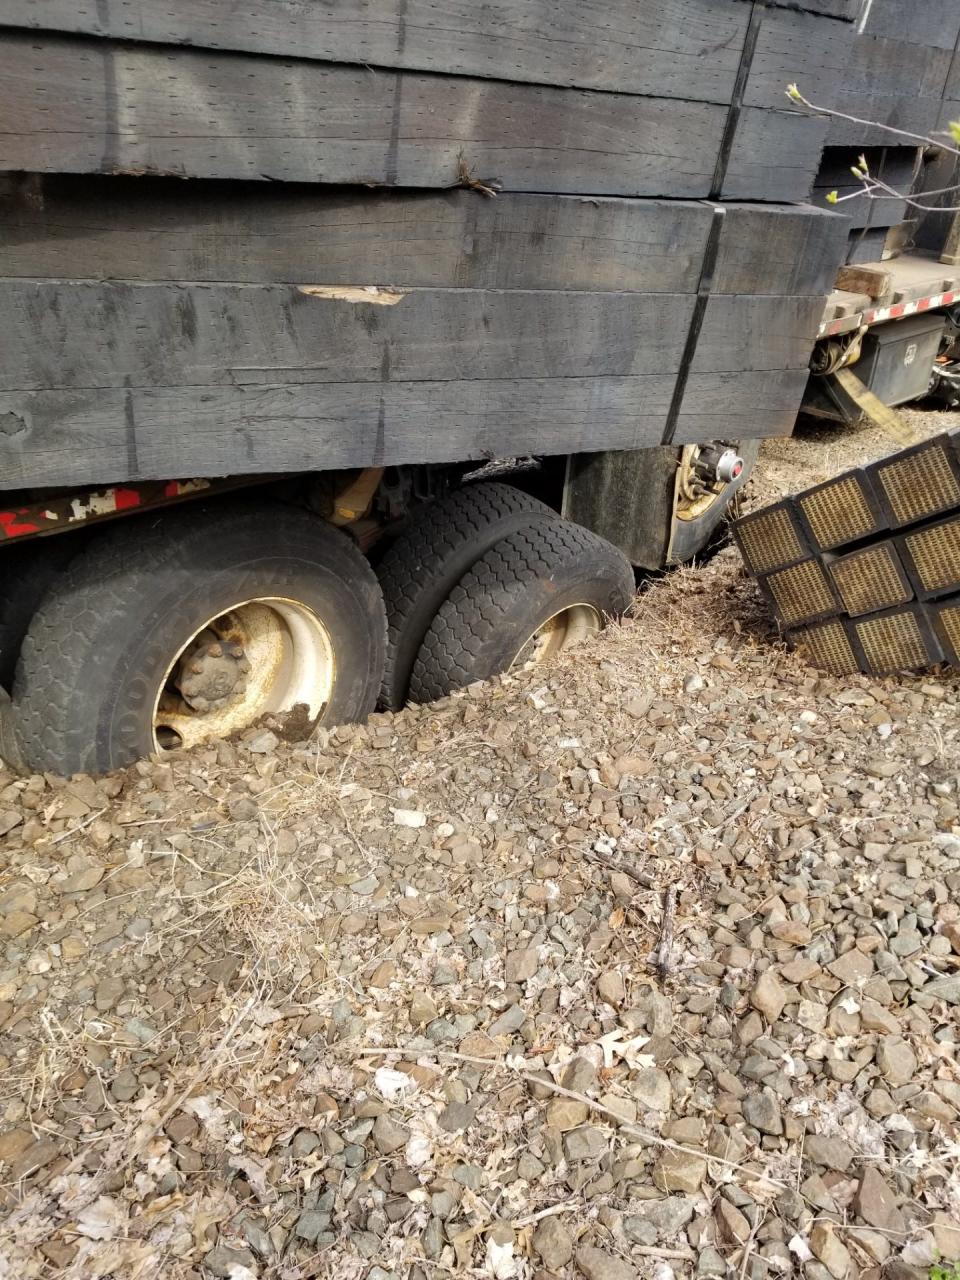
921 482
827 646
895 641
863 570
840 511
933 557
801 593
946 619
770 539
870 579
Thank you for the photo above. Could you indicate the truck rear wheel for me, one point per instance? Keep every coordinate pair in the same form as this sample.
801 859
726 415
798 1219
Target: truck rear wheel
535 593
190 627
431 556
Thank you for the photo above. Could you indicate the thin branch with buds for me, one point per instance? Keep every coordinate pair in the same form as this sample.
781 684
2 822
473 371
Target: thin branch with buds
873 187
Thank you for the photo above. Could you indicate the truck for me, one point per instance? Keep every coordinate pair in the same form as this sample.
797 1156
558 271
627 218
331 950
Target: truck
354 352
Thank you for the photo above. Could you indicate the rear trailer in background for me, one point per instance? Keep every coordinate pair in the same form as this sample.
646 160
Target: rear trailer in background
902 261
895 323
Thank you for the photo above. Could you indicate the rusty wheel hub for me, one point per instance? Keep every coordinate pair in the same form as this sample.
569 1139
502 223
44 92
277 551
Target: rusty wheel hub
211 671
262 656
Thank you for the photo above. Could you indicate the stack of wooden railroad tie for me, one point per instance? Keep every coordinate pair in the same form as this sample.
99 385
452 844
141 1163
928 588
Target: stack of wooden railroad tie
863 571
227 219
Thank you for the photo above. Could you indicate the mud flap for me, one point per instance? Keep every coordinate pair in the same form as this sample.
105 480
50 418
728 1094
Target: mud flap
688 536
629 497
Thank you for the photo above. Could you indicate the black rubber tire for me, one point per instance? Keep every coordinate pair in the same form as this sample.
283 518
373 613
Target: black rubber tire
103 638
25 575
517 586
430 557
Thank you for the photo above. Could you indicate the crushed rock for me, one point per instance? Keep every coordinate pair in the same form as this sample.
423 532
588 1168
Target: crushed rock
258 1019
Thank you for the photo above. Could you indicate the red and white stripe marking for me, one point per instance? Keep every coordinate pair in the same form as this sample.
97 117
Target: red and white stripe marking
895 312
96 504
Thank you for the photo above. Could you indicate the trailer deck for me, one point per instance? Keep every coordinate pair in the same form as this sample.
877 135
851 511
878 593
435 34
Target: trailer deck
918 283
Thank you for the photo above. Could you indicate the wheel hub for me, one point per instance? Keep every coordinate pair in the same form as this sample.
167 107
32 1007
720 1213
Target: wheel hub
211 672
262 656
566 628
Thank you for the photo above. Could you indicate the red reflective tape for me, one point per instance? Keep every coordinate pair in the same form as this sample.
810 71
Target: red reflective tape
924 304
12 528
897 311
126 498
948 298
171 489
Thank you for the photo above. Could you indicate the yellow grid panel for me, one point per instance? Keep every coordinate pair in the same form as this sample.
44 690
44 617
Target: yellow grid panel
801 592
769 539
949 616
892 643
919 485
839 512
828 647
870 580
936 555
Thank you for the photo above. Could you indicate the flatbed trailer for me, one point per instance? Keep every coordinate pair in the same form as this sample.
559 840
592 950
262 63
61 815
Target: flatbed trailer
918 283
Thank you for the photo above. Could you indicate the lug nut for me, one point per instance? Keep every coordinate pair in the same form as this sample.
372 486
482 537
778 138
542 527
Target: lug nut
215 650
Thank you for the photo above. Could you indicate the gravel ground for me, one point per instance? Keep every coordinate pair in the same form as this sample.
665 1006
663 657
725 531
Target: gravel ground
646 964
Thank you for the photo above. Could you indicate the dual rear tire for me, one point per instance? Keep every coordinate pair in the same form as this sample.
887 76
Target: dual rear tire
535 593
487 579
179 629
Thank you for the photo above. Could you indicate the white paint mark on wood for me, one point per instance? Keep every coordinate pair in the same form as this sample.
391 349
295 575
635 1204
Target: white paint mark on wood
355 293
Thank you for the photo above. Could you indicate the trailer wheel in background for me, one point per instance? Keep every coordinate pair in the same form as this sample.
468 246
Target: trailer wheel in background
179 629
418 572
532 595
697 526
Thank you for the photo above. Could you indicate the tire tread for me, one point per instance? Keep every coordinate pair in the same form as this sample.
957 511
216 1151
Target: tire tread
418 565
104 581
480 606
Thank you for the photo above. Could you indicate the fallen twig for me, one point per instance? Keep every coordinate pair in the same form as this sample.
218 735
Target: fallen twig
650 1251
632 1130
568 1206
734 814
72 831
665 947
205 1067
614 864
748 1245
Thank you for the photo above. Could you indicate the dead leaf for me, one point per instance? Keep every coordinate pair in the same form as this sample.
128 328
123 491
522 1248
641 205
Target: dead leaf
102 1220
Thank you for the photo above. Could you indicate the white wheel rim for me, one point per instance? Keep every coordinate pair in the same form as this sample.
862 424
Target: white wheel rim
291 664
565 628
